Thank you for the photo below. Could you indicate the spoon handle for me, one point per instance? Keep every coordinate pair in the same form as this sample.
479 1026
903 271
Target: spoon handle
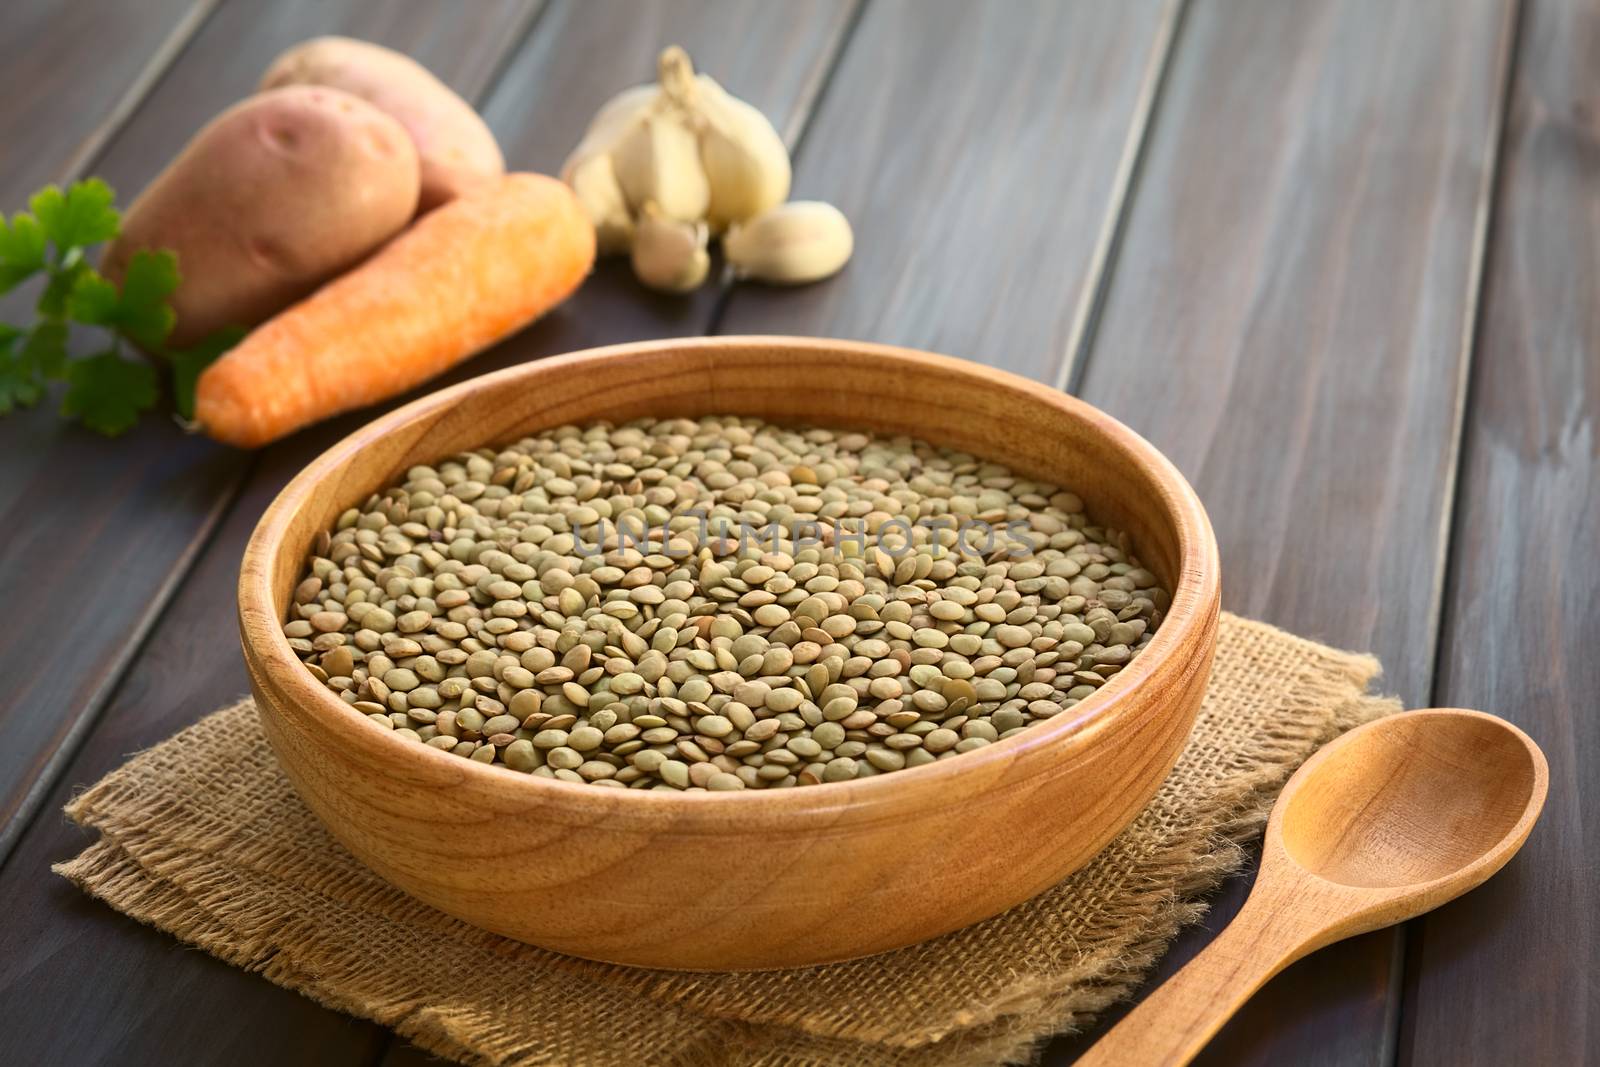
1172 1024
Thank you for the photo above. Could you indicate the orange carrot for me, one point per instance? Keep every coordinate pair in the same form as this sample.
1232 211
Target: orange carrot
462 277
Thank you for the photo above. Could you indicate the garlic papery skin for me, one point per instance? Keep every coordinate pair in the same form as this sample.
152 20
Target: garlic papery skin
614 119
618 113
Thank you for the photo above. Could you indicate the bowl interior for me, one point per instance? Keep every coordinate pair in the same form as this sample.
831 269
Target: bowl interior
1036 431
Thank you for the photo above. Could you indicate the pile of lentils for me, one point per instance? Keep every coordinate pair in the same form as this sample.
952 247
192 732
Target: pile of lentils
487 607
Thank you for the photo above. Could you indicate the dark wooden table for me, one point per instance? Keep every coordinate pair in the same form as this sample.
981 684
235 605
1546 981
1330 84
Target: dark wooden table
1336 257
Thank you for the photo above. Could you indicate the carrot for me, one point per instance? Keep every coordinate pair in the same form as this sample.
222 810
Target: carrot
462 277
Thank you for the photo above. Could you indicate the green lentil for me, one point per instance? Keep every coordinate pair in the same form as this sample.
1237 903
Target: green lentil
457 610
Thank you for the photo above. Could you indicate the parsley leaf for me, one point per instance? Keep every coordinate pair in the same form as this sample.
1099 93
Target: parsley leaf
22 248
25 368
107 392
187 365
92 300
53 301
45 350
81 216
17 386
140 310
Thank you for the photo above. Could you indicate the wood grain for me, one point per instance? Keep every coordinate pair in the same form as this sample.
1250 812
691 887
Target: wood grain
65 91
1385 823
104 529
1288 319
977 150
884 848
1509 974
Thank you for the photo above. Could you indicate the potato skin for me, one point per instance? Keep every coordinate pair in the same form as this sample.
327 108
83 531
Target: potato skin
273 197
457 150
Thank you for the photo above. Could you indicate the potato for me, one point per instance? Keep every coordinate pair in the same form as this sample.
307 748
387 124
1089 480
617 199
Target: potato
272 198
457 150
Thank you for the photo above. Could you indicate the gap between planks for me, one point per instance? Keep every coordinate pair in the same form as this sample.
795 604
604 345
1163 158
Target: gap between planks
75 166
1452 517
794 135
1086 316
1471 326
149 76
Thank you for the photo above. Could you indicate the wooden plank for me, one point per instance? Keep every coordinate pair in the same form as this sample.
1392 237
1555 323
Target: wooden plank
80 983
190 663
101 529
978 150
62 91
1508 974
1288 320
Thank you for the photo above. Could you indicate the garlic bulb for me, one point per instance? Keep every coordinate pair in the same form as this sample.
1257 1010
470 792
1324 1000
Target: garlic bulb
682 150
792 244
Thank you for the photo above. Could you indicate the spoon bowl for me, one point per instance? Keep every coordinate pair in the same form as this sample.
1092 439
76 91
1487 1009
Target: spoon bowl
1381 825
1433 800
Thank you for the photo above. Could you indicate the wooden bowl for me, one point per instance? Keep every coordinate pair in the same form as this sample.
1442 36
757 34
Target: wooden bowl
759 879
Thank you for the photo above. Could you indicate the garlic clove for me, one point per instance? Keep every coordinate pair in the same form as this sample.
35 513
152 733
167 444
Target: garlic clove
746 162
792 244
658 162
668 254
594 181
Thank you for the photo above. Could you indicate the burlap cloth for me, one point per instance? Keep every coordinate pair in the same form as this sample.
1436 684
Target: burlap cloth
203 837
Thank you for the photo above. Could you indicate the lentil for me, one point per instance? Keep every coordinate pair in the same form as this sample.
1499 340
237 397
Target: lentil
559 607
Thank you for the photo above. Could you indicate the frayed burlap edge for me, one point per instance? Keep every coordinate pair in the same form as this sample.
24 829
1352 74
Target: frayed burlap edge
139 872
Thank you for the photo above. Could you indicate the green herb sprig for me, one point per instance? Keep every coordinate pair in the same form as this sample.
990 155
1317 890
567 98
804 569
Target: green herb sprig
105 390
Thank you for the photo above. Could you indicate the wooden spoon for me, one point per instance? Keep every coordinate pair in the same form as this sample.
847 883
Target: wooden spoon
1387 822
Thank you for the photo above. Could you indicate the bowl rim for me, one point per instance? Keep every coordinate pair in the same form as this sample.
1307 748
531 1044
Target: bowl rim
1194 610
